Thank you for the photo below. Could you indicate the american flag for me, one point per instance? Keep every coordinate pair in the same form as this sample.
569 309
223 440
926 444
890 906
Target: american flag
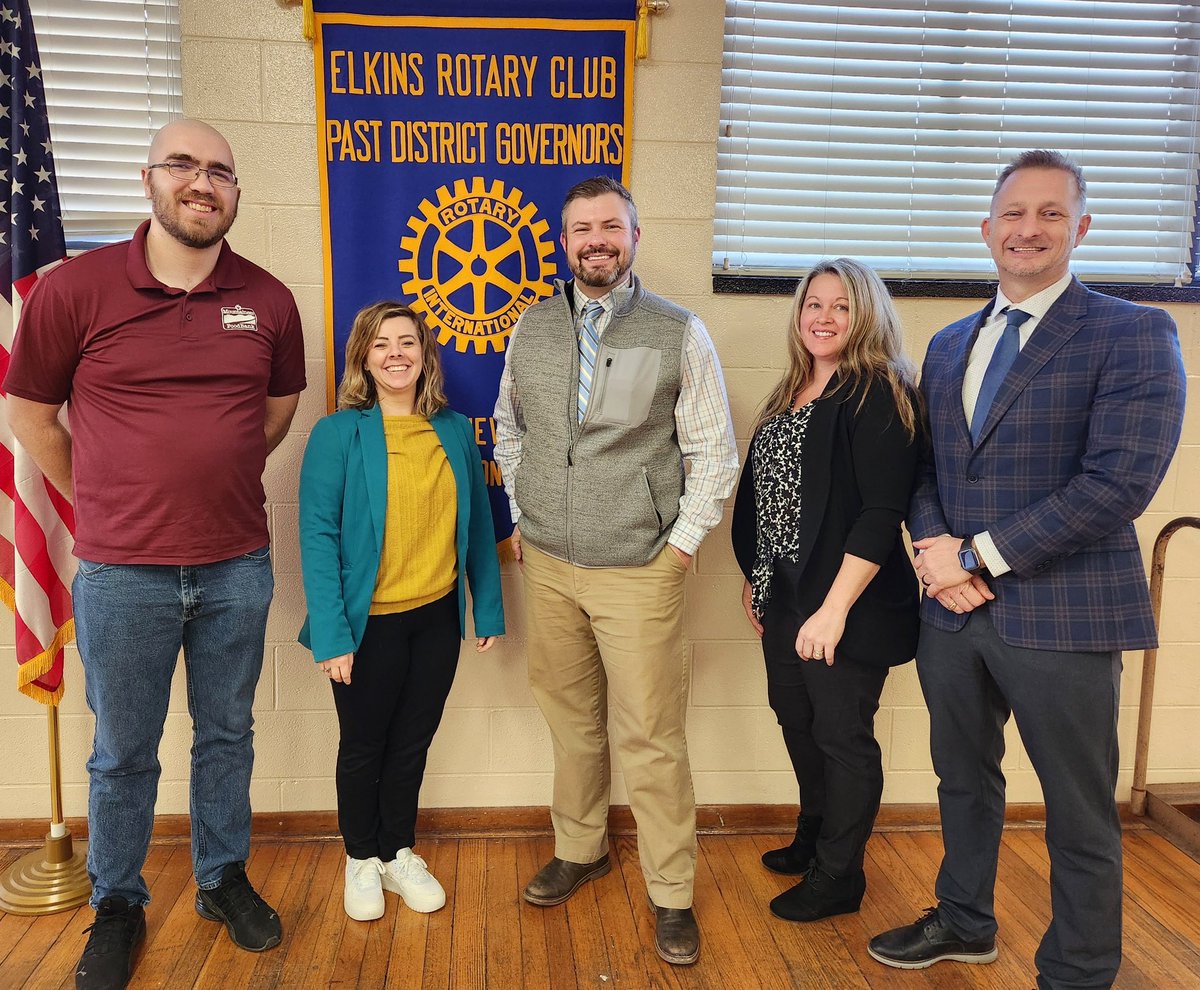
36 522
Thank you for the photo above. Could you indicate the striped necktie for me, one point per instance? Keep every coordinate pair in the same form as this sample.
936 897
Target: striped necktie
1003 357
589 345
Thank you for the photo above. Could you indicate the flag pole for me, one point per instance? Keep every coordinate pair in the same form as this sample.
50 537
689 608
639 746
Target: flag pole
53 878
34 562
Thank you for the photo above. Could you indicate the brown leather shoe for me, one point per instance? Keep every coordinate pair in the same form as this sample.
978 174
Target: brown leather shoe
676 935
558 880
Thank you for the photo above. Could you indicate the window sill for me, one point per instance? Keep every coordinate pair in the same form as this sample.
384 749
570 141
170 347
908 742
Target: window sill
900 288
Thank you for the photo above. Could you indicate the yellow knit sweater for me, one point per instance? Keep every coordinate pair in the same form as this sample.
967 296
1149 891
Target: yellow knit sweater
418 561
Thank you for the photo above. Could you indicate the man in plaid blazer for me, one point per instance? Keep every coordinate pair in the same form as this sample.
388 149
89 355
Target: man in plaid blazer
1053 415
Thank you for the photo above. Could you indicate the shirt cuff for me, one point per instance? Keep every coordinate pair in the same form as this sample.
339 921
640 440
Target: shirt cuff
682 538
992 558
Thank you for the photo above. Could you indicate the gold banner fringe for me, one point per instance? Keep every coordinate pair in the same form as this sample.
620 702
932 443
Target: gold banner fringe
643 29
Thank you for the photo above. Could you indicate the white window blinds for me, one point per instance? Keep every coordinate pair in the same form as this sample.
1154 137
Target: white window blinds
111 70
876 130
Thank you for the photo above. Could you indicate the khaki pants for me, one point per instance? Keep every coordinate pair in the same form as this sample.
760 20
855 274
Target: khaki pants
608 641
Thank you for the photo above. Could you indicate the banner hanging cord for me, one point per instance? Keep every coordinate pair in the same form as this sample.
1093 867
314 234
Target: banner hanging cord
645 9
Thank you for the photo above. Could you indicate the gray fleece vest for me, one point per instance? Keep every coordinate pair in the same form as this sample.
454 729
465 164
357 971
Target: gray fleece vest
605 492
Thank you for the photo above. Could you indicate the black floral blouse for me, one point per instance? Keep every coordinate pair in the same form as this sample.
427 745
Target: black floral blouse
777 491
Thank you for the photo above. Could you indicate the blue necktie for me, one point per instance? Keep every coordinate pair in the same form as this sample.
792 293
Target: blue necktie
1003 357
589 344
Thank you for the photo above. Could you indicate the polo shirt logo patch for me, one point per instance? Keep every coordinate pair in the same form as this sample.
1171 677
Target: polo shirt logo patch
237 318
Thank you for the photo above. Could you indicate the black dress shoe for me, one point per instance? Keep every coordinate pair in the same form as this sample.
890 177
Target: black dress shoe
926 941
251 922
107 960
820 895
558 880
676 935
792 860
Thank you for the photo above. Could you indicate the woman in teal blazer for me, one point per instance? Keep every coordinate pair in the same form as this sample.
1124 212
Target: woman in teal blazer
343 537
394 523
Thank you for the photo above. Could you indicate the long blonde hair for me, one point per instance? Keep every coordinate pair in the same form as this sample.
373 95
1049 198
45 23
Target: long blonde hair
357 390
873 348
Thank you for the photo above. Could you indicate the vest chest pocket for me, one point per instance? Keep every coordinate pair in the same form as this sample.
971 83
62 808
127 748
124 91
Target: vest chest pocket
625 383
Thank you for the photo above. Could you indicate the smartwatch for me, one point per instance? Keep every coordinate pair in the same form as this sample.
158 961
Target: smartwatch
968 557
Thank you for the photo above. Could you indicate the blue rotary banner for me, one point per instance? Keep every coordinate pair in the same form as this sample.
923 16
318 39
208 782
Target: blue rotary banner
448 138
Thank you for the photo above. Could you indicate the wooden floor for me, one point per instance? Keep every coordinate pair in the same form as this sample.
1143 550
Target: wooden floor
487 937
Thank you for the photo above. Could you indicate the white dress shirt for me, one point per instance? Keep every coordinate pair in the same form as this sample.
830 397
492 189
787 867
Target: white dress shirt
1037 306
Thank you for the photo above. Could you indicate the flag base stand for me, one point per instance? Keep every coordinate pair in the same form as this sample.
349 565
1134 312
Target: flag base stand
53 878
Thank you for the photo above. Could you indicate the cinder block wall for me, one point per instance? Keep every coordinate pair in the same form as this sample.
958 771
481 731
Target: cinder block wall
247 69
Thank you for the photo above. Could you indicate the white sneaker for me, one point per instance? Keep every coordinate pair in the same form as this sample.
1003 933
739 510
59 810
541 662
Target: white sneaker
363 897
407 876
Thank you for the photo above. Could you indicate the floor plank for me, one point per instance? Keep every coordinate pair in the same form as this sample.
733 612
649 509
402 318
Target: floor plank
503 931
560 957
303 917
468 959
439 927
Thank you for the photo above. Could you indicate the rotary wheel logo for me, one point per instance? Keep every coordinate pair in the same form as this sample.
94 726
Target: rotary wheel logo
476 261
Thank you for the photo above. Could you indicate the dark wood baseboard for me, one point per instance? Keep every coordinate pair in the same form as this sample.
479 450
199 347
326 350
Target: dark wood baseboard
463 823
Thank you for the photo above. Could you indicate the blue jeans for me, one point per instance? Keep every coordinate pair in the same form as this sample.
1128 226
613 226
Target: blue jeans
131 621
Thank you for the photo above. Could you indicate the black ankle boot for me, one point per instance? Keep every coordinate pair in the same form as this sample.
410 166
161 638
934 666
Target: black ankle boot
820 895
794 859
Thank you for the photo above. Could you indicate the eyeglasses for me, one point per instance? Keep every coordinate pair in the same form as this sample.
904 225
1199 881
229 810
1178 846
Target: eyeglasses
189 172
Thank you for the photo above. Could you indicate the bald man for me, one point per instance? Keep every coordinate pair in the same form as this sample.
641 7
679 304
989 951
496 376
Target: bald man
181 364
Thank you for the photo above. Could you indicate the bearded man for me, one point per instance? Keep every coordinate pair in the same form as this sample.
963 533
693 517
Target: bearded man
181 364
607 391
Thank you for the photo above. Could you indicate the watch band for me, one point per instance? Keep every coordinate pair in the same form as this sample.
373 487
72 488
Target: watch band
968 557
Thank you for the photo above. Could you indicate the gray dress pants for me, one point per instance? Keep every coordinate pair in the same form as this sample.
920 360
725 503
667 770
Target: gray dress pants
1065 706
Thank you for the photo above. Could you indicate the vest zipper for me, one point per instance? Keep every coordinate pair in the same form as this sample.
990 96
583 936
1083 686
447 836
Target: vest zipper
572 428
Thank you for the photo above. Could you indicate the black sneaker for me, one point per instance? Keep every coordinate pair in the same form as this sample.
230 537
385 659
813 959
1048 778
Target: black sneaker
926 941
251 922
107 960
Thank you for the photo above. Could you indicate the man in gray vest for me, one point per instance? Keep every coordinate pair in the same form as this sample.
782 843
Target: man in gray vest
607 390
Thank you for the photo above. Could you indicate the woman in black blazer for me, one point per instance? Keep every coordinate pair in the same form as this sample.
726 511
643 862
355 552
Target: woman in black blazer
829 586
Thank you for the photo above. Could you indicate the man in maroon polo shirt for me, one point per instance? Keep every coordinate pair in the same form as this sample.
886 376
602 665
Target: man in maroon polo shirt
181 364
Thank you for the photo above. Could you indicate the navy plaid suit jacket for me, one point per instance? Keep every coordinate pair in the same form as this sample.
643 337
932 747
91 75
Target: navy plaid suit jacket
1073 449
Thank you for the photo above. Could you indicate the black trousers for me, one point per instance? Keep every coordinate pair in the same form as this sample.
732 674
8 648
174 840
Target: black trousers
388 714
1065 705
828 717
